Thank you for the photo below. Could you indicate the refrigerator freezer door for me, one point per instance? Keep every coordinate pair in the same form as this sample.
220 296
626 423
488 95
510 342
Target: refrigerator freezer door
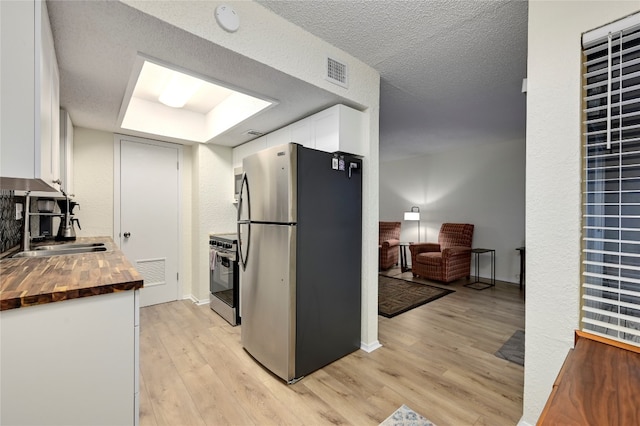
268 295
271 185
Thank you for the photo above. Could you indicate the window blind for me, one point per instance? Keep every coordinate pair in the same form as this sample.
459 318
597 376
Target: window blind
611 181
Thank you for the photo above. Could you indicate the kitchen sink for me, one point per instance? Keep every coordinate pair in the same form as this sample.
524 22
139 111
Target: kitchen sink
68 246
58 252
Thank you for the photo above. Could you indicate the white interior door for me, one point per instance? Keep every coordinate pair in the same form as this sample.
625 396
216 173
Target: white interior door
149 216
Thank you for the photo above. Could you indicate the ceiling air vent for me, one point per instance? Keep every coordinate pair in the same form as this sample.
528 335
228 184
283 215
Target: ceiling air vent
254 133
337 72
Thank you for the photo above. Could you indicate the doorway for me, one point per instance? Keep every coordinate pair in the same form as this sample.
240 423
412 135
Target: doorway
147 214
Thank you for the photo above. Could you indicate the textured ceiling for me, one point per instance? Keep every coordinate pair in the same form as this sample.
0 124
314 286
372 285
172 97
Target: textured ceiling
451 71
97 43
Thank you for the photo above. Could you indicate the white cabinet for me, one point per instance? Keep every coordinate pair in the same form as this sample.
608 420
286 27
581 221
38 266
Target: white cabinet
29 106
49 102
66 151
72 362
302 132
248 148
338 128
279 137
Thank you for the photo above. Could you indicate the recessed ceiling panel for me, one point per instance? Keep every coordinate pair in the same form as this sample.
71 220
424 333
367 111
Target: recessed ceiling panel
176 104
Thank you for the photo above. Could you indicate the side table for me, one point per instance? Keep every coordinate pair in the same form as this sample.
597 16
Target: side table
482 285
403 256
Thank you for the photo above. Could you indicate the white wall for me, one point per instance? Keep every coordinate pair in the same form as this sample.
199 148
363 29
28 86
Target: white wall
93 181
213 210
553 185
268 38
482 185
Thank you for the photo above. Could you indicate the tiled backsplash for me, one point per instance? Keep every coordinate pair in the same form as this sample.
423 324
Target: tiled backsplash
10 228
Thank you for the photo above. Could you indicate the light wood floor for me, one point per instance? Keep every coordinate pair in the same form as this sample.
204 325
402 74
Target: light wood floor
437 359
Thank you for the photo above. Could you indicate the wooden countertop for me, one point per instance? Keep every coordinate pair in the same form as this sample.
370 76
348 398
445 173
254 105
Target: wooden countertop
599 384
33 281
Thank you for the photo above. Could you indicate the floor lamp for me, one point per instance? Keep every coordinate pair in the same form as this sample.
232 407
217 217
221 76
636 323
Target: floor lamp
414 215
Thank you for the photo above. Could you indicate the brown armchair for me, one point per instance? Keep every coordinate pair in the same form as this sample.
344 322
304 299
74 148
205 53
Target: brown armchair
448 260
388 240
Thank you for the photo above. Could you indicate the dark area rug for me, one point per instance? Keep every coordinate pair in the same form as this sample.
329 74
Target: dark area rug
396 296
513 349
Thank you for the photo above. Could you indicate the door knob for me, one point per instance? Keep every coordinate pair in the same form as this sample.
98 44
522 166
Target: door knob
127 234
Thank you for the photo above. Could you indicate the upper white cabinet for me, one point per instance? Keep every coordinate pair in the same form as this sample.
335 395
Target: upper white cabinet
49 101
302 132
247 149
66 152
279 137
338 128
30 102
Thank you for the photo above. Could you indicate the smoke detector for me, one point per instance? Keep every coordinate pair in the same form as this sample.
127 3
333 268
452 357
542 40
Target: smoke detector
227 18
337 72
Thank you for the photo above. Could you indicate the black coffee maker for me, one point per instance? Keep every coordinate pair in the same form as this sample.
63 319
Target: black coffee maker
66 231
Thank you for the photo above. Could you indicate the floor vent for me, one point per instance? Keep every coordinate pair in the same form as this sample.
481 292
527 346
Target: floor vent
153 271
337 72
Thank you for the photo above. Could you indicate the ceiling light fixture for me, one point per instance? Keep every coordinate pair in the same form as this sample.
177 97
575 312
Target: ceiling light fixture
167 101
180 89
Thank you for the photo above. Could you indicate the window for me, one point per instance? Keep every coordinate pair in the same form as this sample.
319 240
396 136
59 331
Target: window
611 181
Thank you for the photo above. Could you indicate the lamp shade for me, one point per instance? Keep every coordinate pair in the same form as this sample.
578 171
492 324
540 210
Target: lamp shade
414 215
411 215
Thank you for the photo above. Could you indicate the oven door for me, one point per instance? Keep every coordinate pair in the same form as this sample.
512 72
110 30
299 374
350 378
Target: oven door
222 276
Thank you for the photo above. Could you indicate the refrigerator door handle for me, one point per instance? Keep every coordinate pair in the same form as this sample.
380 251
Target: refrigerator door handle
243 258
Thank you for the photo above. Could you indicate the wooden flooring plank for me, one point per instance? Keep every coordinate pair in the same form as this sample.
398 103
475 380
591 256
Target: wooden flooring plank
311 409
215 403
335 394
169 397
147 417
437 359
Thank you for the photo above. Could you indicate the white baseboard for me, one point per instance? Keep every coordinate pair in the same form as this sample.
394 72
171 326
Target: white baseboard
195 300
370 347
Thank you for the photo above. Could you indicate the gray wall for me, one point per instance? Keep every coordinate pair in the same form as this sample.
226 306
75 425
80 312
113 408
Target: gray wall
483 185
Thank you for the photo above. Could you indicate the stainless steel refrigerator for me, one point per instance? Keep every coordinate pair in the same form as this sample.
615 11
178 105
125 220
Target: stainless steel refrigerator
300 245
